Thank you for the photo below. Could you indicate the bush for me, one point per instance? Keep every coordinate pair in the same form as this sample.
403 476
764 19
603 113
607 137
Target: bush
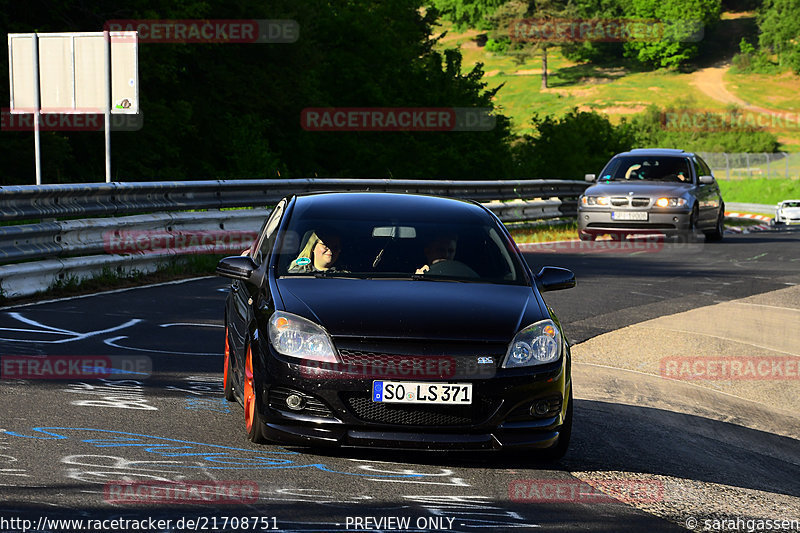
499 46
749 59
570 146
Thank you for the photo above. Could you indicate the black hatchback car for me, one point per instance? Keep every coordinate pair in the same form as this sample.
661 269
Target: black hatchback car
395 321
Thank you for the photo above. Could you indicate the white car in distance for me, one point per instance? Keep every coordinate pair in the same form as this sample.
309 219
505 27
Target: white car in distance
787 212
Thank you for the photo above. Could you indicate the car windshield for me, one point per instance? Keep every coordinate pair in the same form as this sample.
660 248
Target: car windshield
397 248
790 204
647 168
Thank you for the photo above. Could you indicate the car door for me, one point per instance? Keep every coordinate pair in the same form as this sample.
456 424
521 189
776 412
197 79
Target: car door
245 296
713 196
705 195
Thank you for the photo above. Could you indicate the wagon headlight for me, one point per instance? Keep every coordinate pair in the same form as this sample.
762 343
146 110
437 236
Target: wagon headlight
537 344
295 336
595 200
671 202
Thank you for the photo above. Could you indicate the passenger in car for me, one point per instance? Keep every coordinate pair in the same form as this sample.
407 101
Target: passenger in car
318 255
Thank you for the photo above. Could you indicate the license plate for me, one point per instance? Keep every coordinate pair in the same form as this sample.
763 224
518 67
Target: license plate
420 392
629 215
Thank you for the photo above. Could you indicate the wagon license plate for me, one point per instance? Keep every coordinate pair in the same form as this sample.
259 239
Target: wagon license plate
629 215
420 392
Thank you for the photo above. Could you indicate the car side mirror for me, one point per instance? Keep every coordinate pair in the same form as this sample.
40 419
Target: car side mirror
589 177
555 279
706 180
239 267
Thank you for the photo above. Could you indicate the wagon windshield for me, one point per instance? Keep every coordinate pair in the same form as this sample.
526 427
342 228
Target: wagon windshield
642 168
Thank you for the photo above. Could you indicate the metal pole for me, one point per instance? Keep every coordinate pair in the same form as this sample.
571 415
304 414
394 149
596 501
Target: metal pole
767 156
36 110
727 166
107 113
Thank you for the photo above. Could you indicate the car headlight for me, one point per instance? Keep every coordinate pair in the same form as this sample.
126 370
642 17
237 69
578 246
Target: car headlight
595 200
671 202
537 344
296 336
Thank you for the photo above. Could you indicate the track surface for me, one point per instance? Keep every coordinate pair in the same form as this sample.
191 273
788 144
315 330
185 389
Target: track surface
174 424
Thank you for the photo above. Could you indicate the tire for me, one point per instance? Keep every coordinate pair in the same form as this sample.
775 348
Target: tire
719 231
690 235
254 425
227 373
557 450
586 236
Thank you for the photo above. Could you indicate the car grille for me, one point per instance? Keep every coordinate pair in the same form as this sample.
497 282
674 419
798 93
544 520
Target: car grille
625 201
312 406
362 406
375 364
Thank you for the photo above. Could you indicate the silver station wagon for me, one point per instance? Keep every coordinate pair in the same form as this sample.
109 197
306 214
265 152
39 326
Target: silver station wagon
666 192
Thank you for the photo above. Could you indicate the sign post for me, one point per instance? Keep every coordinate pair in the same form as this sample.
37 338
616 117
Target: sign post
74 73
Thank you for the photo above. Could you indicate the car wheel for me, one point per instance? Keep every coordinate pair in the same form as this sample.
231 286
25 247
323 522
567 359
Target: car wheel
252 417
690 234
557 451
586 236
719 230
227 373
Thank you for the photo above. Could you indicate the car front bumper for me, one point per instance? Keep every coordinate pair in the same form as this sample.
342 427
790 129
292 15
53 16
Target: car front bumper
501 404
599 221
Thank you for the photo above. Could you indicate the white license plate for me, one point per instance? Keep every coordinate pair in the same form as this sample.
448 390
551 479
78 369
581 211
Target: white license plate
421 392
629 215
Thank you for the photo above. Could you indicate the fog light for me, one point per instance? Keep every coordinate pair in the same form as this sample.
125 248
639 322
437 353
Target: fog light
674 219
294 402
585 217
540 408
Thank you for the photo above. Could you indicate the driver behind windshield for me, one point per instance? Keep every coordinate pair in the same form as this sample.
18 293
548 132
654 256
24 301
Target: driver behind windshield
318 255
441 248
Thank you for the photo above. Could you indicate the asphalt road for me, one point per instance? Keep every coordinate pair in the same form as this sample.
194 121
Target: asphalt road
66 445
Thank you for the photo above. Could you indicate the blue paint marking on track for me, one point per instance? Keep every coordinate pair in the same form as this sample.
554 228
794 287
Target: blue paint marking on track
165 447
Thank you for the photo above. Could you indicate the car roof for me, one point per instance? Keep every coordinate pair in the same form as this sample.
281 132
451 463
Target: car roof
784 201
656 152
379 205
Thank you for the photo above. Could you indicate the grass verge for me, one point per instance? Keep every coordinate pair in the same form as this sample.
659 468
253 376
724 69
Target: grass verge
759 190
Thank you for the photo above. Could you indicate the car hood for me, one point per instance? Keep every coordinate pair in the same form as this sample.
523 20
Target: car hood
791 211
412 309
639 188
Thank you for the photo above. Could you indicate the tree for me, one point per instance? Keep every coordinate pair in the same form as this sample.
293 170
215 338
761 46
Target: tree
570 146
683 23
467 13
779 24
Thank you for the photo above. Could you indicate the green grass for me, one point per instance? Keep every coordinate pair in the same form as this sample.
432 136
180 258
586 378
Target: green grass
619 90
759 191
563 232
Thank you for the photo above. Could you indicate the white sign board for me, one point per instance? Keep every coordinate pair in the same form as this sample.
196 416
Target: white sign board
72 75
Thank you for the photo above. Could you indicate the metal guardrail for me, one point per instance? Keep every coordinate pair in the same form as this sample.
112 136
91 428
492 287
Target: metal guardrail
22 202
60 250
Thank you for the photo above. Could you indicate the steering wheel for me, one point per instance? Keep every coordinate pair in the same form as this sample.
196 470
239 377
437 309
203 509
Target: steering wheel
449 267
